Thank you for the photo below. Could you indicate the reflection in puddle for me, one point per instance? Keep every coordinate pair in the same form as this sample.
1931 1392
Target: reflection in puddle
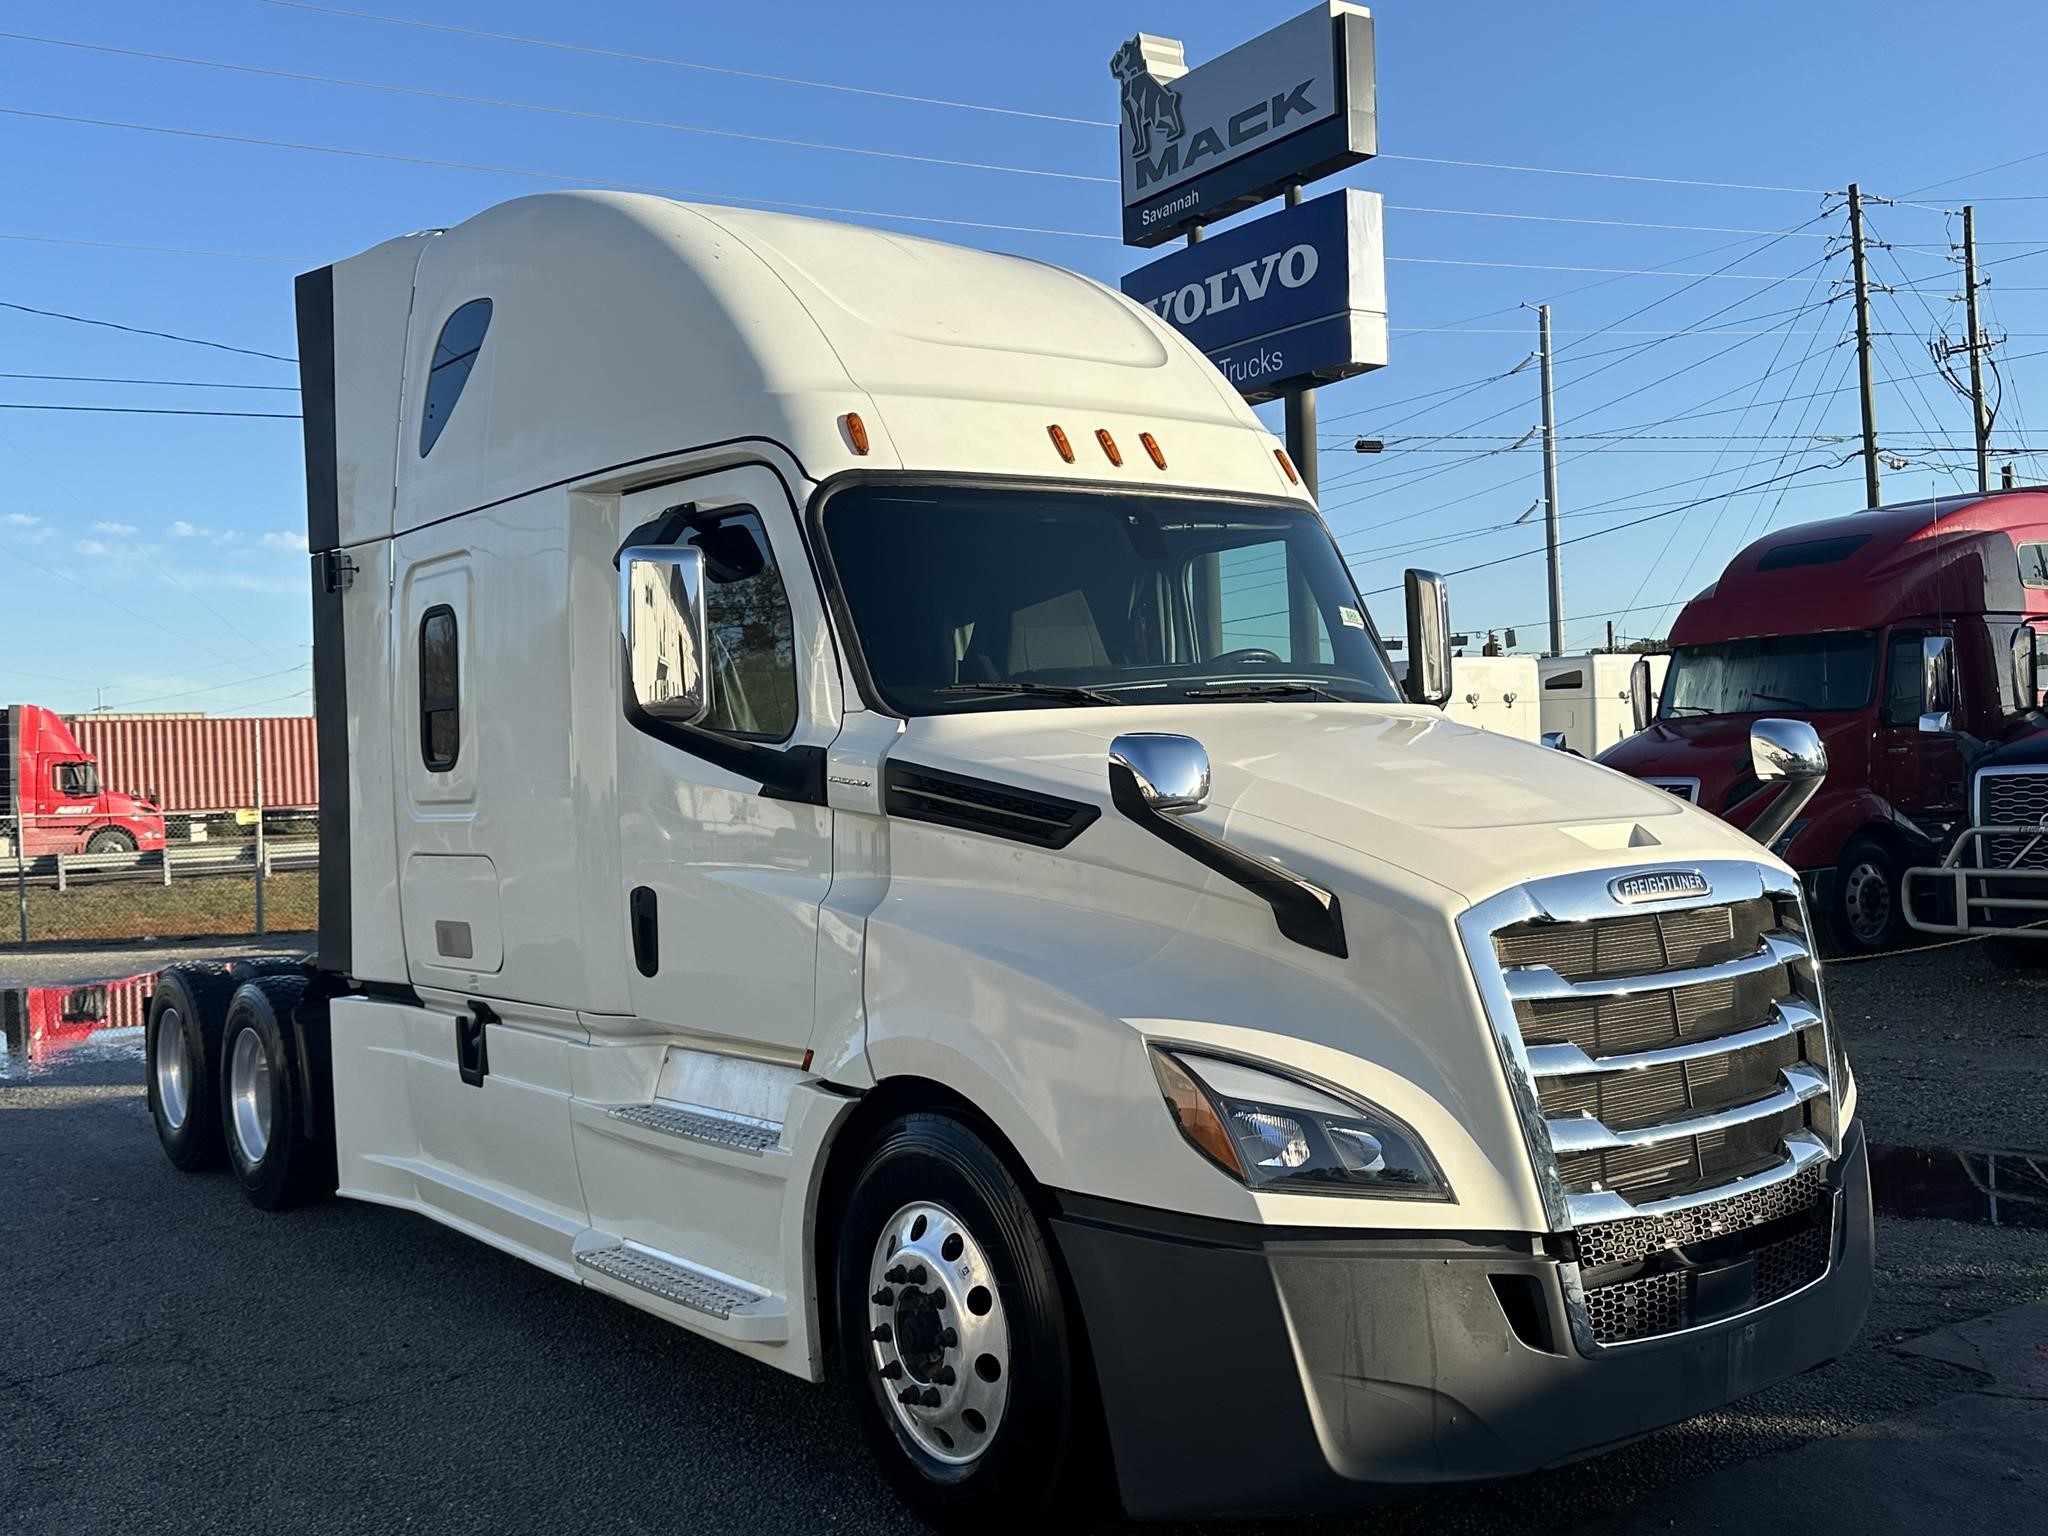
42 1028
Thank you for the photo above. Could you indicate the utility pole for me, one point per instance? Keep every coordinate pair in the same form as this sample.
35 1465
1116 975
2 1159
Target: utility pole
1980 426
1301 409
1550 535
1871 492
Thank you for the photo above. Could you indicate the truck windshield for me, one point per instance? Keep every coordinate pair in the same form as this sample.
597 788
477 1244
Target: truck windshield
971 599
1758 677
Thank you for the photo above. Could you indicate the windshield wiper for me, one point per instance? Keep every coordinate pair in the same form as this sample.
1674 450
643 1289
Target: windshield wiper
1258 691
1070 693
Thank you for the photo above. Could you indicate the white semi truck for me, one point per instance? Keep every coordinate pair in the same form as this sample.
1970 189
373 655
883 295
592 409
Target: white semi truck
863 814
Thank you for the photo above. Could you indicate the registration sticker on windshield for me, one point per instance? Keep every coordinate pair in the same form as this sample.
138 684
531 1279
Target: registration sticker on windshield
1352 618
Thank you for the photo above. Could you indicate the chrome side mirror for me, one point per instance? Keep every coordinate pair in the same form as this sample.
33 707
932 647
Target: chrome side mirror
1937 684
1429 638
1789 751
1555 741
1639 700
667 632
1172 771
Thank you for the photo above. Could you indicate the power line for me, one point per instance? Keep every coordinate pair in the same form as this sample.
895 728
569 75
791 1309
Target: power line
713 69
1601 533
97 378
1551 170
529 106
740 197
146 410
550 176
137 330
155 250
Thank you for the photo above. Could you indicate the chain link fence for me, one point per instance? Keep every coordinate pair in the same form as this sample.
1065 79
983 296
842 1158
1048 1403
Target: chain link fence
228 873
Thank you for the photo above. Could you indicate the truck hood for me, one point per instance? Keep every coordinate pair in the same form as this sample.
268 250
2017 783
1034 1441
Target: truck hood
1468 810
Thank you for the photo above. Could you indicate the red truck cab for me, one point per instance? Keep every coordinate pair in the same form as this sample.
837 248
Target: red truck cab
1907 637
51 797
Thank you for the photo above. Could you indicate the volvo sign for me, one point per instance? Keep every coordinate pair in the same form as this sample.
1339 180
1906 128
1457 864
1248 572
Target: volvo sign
1291 105
1292 300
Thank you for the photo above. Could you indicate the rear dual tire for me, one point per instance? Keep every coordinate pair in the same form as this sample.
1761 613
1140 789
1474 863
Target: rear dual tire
262 1099
224 1081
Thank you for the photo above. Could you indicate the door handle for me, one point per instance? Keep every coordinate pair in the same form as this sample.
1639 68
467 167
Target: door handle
646 924
472 1055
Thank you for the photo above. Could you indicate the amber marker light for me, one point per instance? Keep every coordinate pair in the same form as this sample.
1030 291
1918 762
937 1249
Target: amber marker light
856 431
1059 441
1288 465
1152 447
1109 446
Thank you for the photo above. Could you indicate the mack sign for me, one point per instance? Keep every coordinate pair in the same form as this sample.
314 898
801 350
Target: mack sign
1291 105
1294 299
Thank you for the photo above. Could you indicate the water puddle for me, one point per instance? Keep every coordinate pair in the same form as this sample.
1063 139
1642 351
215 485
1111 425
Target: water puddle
2001 1189
44 1028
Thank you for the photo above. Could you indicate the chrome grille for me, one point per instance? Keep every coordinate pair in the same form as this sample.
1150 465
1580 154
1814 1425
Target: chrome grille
1673 1068
2014 800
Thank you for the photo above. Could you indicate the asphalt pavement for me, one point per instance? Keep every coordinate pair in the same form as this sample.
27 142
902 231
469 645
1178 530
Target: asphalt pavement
175 1359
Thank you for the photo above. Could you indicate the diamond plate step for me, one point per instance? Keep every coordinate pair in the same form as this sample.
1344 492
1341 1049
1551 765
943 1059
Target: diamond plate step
679 1283
738 1132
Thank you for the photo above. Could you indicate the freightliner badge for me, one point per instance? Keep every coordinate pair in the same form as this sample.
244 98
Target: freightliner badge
1294 299
1291 105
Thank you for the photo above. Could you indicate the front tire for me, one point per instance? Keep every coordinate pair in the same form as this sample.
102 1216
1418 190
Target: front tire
955 1340
1869 916
110 840
262 1111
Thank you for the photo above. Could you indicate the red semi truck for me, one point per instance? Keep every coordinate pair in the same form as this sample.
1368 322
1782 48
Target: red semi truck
1911 637
53 800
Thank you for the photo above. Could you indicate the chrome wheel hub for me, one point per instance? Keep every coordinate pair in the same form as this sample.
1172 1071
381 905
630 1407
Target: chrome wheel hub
937 1337
173 1093
249 1096
1867 897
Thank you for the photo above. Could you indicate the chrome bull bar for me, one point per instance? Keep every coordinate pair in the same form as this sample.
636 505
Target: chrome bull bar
2018 889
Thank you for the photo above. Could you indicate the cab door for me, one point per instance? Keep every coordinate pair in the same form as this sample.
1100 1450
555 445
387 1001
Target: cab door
1920 773
725 840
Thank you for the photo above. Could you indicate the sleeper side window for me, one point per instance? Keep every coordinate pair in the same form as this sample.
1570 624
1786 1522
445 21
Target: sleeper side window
462 337
753 636
440 690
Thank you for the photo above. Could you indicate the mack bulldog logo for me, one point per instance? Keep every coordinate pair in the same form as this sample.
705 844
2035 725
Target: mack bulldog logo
1659 885
1149 102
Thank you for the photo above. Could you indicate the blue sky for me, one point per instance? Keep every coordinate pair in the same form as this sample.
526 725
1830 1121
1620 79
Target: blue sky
155 561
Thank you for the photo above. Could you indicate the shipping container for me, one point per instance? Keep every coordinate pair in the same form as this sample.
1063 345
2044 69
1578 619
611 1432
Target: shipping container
192 764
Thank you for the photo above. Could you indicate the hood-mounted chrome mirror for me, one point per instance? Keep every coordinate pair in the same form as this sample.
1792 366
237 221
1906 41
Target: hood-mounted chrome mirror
1787 751
1156 778
1172 771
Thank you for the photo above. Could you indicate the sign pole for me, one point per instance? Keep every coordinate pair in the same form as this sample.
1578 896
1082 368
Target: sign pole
1301 405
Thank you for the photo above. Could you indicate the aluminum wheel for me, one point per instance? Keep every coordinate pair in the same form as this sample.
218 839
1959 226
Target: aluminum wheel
173 1091
938 1338
249 1096
1867 900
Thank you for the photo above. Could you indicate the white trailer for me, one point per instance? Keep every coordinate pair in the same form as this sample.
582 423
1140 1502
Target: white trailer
1586 697
1496 693
861 814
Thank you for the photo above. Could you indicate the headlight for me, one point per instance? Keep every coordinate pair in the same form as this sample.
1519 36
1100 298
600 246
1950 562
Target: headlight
1276 1133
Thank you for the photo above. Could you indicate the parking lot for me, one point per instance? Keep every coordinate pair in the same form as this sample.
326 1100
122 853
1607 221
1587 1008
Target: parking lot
175 1359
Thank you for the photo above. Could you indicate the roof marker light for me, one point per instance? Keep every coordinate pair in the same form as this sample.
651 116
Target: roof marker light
856 431
1288 465
1109 446
1059 441
1152 447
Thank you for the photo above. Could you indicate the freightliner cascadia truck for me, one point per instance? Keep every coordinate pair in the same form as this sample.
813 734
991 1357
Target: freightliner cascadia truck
822 842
